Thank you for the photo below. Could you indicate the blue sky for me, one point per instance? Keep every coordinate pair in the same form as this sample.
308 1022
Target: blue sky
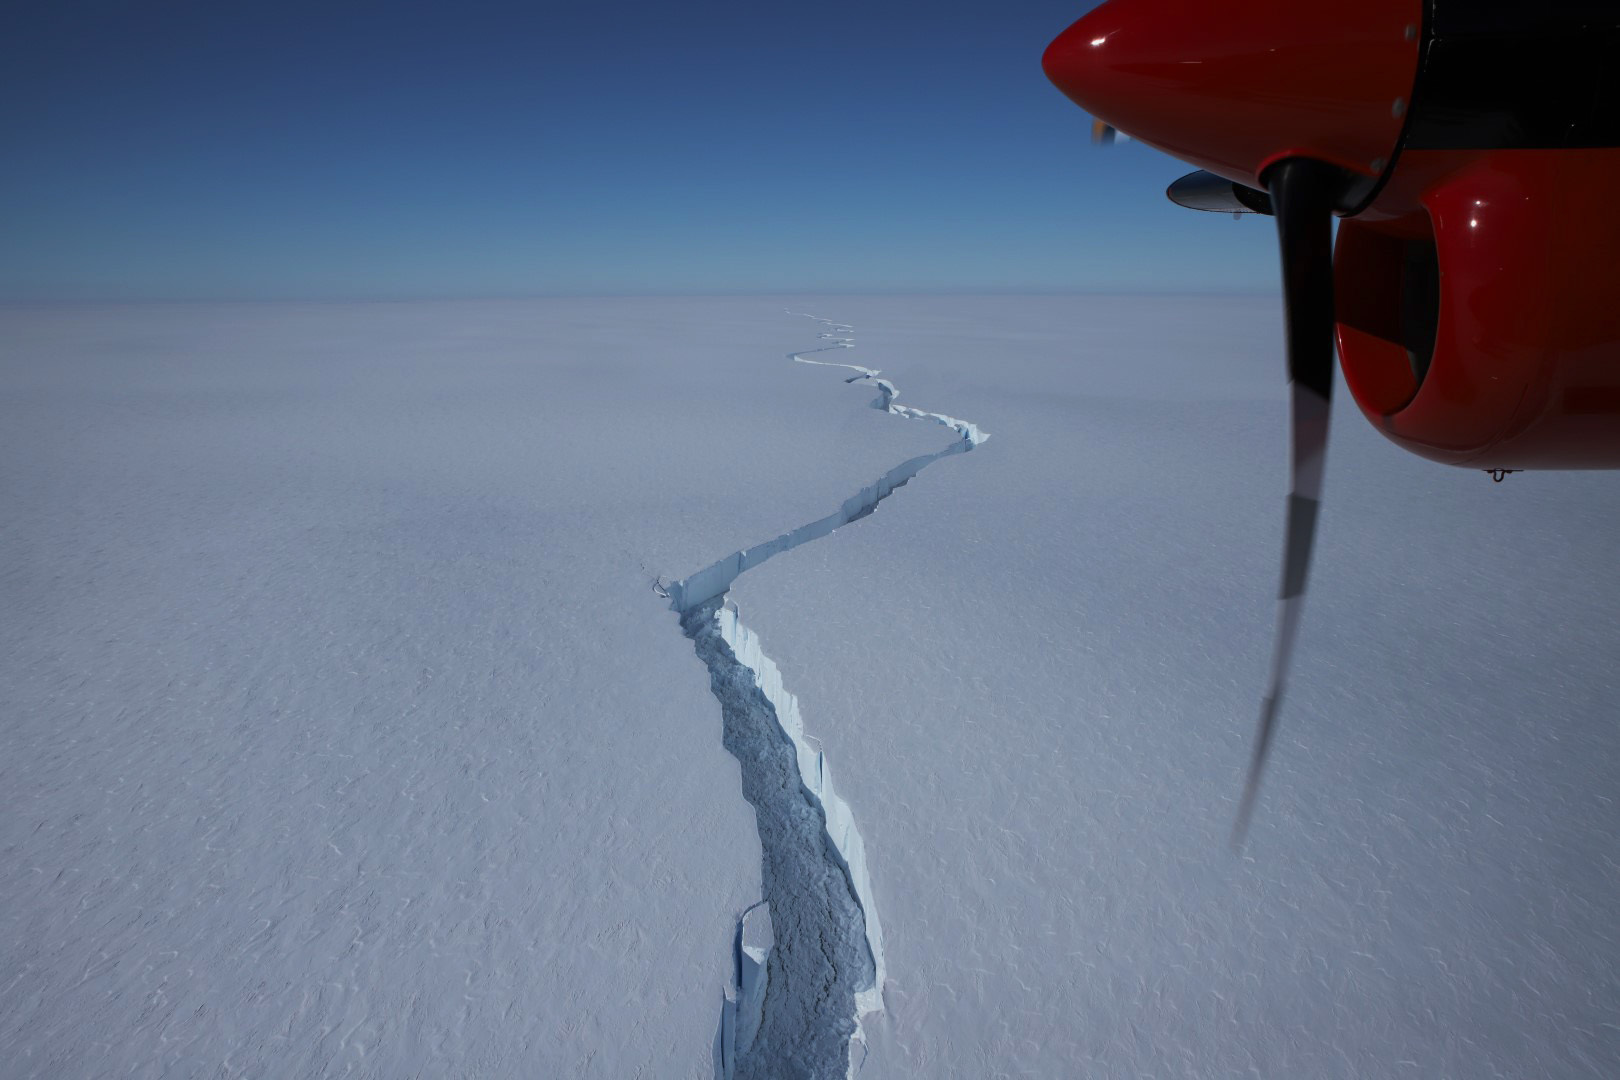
269 150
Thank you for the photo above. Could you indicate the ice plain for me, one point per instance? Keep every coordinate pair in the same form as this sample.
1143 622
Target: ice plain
1036 671
346 735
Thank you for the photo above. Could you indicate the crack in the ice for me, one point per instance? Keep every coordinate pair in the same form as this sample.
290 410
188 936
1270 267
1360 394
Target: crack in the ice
797 999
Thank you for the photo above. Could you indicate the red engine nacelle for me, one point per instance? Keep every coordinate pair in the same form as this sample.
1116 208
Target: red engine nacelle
1476 266
1478 321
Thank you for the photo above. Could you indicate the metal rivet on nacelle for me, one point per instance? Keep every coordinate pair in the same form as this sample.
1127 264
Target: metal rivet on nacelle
1398 108
1378 164
1411 32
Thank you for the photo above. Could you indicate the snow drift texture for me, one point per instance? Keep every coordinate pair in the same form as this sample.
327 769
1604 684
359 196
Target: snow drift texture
342 730
345 735
1037 670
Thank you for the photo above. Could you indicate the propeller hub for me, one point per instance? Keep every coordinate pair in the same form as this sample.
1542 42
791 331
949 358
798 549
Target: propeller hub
1235 88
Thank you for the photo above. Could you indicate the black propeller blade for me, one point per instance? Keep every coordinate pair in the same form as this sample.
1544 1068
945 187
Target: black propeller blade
1206 191
1303 193
1105 134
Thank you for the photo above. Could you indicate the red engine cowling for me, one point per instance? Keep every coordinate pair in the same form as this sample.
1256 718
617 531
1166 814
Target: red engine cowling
1236 88
1479 307
1477 267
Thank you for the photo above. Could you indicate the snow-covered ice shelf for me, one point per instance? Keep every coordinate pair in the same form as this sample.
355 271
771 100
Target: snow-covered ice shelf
1037 678
335 737
340 734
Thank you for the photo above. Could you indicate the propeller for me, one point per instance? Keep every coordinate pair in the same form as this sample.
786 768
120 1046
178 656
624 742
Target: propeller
1302 194
1267 93
1105 134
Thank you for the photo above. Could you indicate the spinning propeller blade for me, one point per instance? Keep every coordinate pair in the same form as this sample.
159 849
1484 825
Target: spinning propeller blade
1105 134
1302 192
1305 101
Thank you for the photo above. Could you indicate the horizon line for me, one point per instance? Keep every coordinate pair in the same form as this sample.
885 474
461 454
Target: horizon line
497 297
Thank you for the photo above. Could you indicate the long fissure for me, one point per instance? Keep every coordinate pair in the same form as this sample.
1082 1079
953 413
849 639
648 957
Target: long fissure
808 958
818 958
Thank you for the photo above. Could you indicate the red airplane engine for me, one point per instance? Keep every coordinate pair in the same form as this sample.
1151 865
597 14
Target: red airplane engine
1470 148
1474 272
1478 320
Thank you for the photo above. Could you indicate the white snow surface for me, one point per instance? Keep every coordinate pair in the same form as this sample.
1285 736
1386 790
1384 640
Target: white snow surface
1037 670
342 731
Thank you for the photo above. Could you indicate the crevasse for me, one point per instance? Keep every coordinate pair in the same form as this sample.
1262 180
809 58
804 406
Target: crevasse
808 959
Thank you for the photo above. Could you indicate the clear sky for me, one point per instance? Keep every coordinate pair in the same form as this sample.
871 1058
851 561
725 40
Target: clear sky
350 149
